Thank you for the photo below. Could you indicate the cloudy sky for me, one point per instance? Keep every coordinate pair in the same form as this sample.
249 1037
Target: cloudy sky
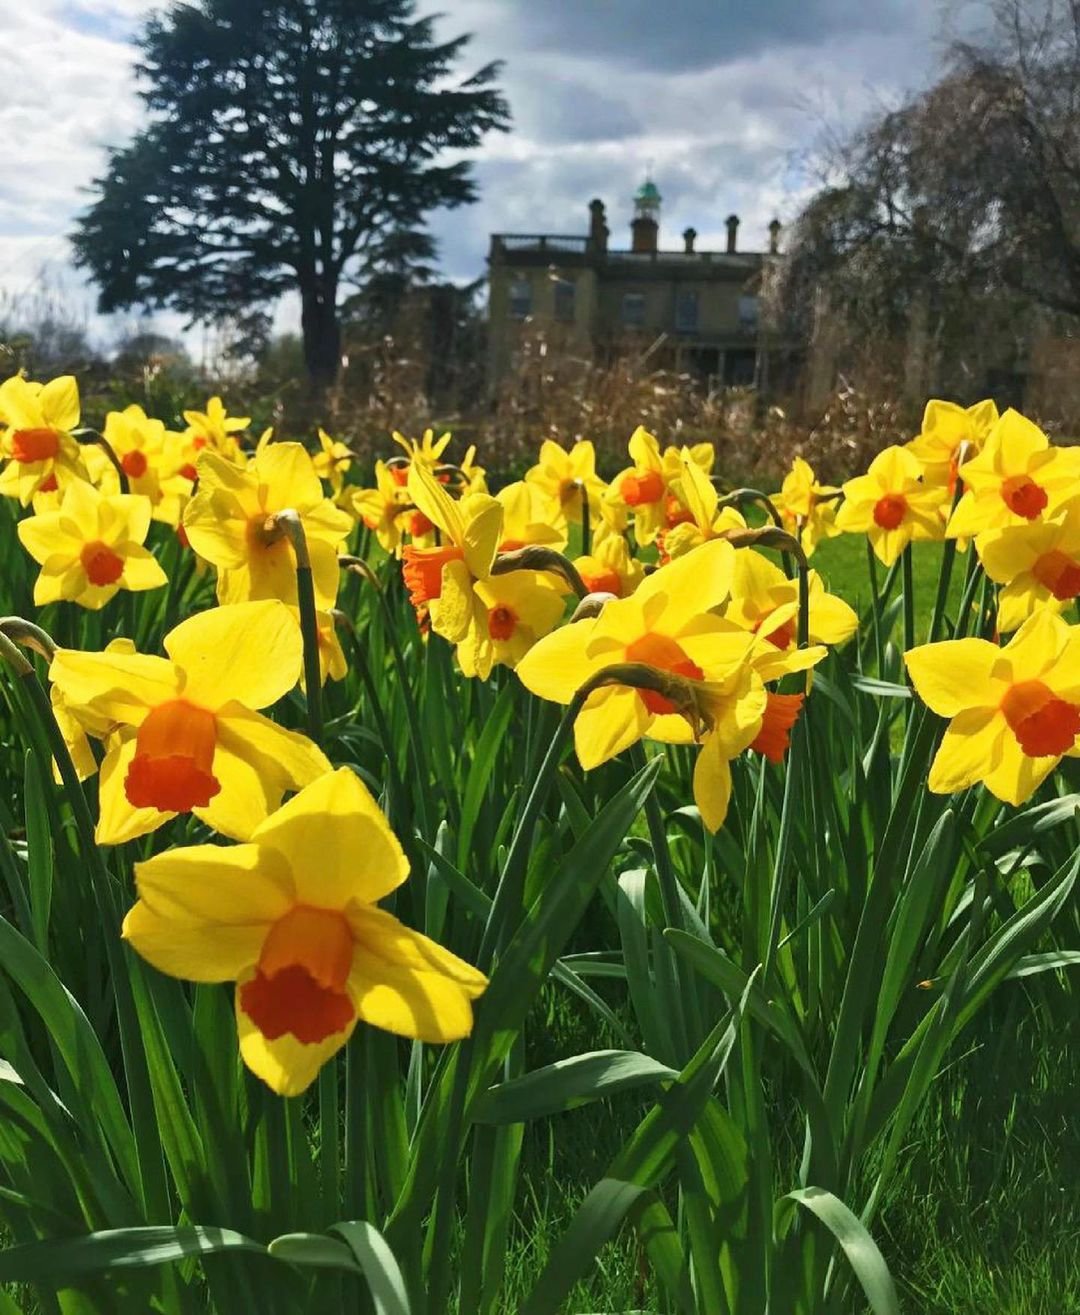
721 98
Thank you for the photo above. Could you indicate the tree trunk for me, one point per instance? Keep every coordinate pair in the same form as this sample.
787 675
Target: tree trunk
322 337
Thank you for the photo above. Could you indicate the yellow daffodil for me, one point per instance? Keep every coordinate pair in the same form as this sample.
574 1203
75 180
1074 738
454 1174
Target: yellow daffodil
706 519
38 443
80 722
807 509
475 475
215 429
642 487
1018 477
665 624
141 445
765 601
510 613
951 435
426 451
292 918
891 506
610 568
380 508
1038 565
230 522
440 580
531 516
743 714
567 477
199 745
91 548
332 461
1013 711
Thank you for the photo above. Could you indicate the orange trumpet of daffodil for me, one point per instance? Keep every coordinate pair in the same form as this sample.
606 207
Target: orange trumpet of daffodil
231 523
38 443
1018 477
91 547
1013 711
610 568
439 580
292 918
1038 565
194 741
891 506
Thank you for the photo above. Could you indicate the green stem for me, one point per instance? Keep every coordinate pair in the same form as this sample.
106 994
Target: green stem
879 643
289 522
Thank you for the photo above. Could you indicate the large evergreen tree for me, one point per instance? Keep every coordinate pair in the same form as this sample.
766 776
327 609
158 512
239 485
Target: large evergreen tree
289 146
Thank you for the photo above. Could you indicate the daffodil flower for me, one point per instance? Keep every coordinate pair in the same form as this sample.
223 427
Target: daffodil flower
426 451
569 477
292 918
642 487
1017 478
191 738
531 516
440 580
706 519
951 434
665 624
143 446
91 547
1038 565
610 568
38 442
380 508
764 601
891 506
215 429
1013 711
230 523
510 613
332 461
807 509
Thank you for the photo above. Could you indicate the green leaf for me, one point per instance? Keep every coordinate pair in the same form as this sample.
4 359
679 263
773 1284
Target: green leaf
1042 963
313 1250
57 1263
381 1270
857 1244
569 1083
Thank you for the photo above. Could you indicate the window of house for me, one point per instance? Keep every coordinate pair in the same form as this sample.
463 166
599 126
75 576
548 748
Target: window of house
686 311
520 299
564 301
633 309
748 312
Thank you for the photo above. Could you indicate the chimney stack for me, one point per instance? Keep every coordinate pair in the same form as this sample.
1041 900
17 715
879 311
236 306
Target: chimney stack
689 237
598 229
775 229
732 233
644 232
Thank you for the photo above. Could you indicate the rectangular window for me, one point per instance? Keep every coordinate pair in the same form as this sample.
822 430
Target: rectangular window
564 301
633 309
520 299
686 312
748 312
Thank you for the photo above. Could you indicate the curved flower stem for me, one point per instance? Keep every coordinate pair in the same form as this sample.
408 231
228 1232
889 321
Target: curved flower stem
91 437
535 557
586 528
23 632
738 497
288 522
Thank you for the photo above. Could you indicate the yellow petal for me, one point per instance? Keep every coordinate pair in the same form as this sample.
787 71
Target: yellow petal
59 402
695 583
122 686
1015 777
558 665
118 820
955 674
380 934
611 720
970 750
142 570
712 784
453 611
286 472
284 759
482 533
251 652
364 861
430 498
